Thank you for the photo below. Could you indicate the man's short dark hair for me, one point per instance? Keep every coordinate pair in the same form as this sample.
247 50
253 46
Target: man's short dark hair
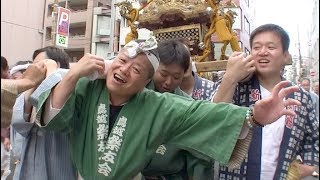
22 63
152 70
174 52
4 63
305 79
56 54
285 40
184 41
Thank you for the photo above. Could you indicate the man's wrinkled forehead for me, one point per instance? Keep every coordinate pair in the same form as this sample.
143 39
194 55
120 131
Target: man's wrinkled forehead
122 54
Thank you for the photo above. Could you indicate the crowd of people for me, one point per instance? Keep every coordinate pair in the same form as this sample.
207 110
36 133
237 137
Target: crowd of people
149 116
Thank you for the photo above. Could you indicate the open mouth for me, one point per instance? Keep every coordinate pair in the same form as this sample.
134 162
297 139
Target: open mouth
119 79
263 61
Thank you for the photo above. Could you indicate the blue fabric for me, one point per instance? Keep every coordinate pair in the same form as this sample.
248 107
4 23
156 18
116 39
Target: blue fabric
47 84
203 89
301 137
44 155
254 155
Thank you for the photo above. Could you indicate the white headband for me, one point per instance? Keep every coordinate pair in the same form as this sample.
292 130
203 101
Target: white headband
19 68
135 47
153 60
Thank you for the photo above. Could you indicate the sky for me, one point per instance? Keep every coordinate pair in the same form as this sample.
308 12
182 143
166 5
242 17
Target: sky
289 14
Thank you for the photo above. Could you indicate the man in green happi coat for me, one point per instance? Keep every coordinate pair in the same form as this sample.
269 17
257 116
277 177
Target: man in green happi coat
170 162
116 125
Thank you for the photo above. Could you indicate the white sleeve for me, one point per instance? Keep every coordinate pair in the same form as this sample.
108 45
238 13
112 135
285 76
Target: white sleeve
49 111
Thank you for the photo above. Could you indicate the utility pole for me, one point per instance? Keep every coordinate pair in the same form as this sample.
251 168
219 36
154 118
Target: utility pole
66 6
54 22
300 57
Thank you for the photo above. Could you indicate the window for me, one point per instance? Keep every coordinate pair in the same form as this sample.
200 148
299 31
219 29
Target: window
77 31
104 25
246 25
103 49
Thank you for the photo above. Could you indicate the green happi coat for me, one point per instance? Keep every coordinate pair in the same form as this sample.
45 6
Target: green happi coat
174 163
147 120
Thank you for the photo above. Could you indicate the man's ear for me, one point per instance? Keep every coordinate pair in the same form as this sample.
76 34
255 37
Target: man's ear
51 66
287 58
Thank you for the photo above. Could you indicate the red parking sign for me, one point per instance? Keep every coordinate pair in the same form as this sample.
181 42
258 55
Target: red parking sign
63 23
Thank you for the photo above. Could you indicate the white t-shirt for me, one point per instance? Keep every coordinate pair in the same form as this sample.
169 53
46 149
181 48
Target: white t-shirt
271 140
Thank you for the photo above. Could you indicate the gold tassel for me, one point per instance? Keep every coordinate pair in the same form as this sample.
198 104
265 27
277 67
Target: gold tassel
293 172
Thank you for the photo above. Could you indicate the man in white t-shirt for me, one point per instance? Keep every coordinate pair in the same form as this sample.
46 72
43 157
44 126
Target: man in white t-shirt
276 145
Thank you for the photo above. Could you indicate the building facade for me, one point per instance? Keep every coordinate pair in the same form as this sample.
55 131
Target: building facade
28 26
21 29
94 28
314 43
84 26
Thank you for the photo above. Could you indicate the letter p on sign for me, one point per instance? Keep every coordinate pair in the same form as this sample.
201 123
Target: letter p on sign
63 23
64 18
